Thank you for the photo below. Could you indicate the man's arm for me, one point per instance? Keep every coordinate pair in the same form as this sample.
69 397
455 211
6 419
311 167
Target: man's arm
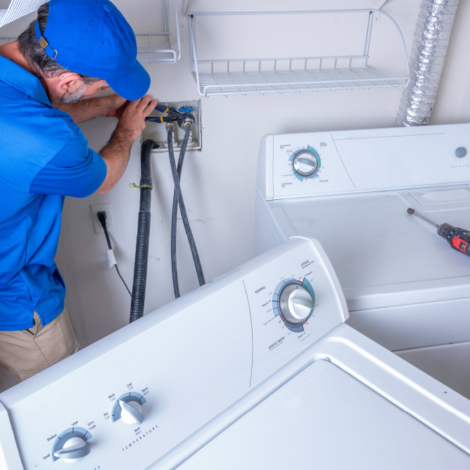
116 154
92 108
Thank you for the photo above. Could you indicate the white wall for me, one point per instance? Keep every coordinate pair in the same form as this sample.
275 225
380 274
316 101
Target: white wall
219 182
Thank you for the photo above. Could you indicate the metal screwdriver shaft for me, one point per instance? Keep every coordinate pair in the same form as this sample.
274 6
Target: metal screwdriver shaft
413 212
458 238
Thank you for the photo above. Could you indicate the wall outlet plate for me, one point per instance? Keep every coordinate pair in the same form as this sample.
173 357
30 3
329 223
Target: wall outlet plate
95 208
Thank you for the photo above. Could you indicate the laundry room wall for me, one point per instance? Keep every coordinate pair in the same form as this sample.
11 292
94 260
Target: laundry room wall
219 181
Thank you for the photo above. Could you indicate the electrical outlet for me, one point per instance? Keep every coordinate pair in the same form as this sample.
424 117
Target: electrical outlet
95 208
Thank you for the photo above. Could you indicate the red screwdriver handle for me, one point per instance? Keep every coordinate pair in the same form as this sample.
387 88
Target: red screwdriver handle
459 239
460 244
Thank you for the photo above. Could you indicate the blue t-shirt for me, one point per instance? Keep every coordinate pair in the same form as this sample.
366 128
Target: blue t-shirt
43 157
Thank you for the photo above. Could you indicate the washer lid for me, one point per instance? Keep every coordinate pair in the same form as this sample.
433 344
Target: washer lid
325 419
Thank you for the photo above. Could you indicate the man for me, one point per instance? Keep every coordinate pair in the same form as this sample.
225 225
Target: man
74 50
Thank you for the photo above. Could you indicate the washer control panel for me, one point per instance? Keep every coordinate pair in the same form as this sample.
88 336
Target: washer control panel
293 310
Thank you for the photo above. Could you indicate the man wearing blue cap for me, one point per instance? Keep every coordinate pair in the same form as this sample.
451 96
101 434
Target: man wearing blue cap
75 49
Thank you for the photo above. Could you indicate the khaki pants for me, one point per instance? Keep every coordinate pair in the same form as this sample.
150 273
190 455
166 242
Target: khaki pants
27 352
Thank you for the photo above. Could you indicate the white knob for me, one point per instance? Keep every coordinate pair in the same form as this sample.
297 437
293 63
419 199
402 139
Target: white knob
296 304
300 304
131 412
74 450
305 163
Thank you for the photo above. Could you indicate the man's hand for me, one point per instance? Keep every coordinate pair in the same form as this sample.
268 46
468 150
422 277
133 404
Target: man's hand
132 119
115 105
130 126
92 108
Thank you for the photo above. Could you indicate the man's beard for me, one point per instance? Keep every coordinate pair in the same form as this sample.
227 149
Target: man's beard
75 96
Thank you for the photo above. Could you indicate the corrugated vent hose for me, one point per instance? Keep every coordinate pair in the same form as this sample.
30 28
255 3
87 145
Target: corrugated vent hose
430 43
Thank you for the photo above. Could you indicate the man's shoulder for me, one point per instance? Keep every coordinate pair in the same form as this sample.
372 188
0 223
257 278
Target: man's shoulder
17 105
31 133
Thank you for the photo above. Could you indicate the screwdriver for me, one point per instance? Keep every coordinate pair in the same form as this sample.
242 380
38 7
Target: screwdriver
458 238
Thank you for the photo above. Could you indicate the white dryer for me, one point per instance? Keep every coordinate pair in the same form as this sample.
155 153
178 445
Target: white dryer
255 370
406 288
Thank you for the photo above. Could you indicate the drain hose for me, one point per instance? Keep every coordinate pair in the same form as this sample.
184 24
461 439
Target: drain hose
143 234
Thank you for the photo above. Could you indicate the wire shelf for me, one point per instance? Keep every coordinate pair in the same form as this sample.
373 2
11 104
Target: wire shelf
292 75
18 8
153 48
156 48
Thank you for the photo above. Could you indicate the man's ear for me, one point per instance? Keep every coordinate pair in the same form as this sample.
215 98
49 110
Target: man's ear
68 82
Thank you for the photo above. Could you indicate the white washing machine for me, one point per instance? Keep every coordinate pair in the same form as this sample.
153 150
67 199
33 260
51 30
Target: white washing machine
255 370
405 287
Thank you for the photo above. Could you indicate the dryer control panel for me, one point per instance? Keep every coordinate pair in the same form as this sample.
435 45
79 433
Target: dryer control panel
323 163
128 400
309 164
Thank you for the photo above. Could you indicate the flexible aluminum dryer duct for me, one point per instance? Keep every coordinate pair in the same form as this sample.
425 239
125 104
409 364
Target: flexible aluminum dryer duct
431 39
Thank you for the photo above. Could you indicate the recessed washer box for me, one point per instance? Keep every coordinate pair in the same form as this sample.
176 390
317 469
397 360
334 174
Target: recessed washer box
157 131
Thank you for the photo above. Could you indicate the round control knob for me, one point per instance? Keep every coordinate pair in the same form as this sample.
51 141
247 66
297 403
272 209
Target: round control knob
306 163
296 304
73 450
131 412
128 409
71 445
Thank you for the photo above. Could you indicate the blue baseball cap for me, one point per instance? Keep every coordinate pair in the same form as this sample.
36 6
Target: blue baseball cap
92 37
